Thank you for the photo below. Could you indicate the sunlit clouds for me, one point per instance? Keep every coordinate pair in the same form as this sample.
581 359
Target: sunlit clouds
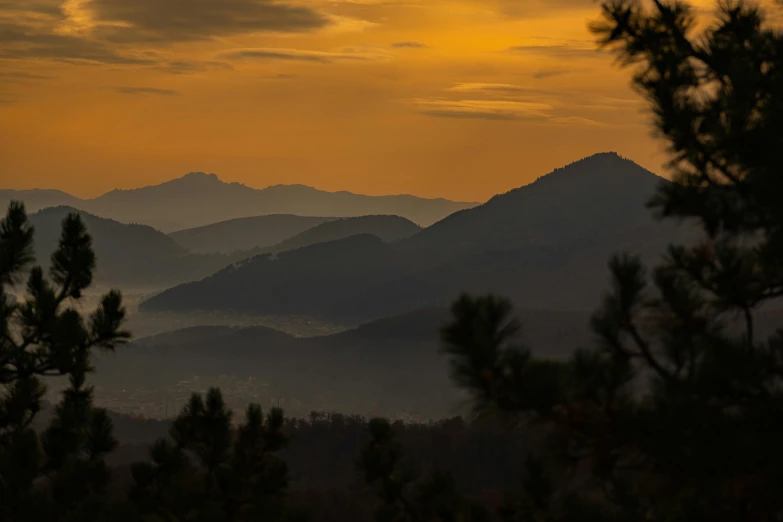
454 98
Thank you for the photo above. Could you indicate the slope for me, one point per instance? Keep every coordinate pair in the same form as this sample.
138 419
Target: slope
387 228
595 196
301 281
244 233
387 366
114 242
127 255
38 199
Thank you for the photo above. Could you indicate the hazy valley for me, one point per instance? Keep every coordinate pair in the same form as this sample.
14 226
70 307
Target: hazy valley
342 313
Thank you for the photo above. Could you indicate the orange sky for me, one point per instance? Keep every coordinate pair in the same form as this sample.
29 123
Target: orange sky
455 98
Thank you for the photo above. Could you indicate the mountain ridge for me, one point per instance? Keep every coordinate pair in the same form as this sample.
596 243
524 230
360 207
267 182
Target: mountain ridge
545 244
202 199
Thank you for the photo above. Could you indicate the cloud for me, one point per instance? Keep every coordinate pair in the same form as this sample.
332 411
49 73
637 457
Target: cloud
566 49
506 91
21 75
502 101
16 8
178 20
299 55
23 42
190 66
409 45
146 90
549 73
560 51
482 109
346 24
576 120
487 88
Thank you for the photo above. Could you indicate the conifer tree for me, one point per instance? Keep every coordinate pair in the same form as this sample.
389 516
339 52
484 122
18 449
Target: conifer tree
676 414
60 475
210 471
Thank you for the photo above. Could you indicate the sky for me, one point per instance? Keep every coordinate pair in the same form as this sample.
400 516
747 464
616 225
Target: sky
460 99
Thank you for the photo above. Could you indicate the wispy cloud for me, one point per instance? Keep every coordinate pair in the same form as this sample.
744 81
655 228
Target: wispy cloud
482 109
22 75
487 88
301 55
190 66
501 101
29 42
145 91
409 45
550 73
175 20
577 120
557 48
120 32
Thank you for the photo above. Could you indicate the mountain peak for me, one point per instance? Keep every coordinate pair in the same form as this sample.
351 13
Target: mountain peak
602 167
200 176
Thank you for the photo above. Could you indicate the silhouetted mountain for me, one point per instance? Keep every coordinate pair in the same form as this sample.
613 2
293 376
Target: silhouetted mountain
115 243
244 233
285 280
545 245
387 228
135 255
199 199
389 365
38 199
596 196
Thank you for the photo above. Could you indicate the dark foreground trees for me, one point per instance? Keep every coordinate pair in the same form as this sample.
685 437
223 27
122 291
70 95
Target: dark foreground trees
677 415
59 475
211 471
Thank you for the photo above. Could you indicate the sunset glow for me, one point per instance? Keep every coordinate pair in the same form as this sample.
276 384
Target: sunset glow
455 98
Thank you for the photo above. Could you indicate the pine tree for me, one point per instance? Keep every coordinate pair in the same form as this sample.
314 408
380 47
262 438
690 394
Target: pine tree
209 471
676 414
61 474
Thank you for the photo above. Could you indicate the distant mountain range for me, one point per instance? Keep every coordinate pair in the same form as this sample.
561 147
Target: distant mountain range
386 228
387 366
546 245
141 257
383 367
198 199
282 232
127 255
244 233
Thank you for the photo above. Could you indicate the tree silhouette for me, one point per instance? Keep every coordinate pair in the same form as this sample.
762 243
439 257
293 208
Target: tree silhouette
209 471
675 415
61 474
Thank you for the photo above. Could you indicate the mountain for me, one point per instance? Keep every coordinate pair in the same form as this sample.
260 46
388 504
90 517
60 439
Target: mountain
545 245
596 196
127 255
115 244
384 367
244 233
282 232
286 283
198 199
38 199
386 228
387 366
